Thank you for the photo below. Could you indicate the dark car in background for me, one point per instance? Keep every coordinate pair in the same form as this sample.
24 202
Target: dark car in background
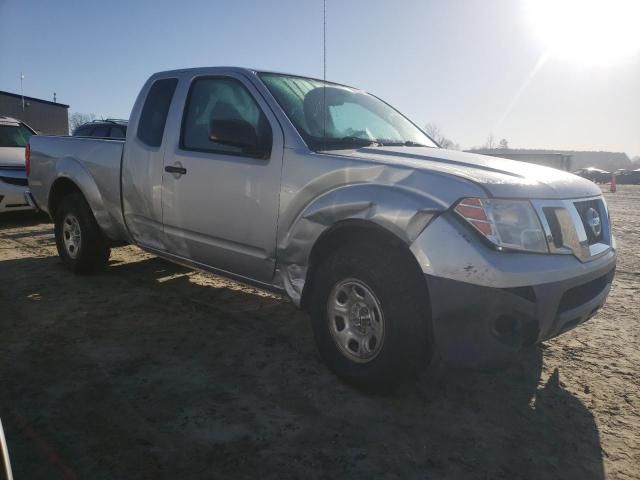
108 128
594 174
629 177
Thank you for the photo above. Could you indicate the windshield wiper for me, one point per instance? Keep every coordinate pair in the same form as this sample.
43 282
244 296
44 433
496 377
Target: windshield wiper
334 143
349 142
357 141
393 143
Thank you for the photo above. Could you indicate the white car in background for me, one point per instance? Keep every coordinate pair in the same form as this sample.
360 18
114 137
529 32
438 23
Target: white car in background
14 137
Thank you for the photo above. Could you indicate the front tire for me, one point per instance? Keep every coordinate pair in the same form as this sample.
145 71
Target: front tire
79 240
371 316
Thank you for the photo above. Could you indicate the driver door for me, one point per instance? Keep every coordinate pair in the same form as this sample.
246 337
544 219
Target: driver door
220 204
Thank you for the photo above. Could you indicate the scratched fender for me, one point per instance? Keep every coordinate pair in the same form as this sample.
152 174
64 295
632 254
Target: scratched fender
71 169
387 197
90 168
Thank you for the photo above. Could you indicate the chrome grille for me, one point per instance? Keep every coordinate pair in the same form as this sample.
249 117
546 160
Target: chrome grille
584 208
554 226
567 226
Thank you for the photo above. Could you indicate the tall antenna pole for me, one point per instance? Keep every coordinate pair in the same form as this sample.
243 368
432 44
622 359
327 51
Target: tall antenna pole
324 41
22 91
324 68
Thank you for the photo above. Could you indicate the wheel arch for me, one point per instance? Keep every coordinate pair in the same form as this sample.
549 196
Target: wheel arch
60 188
395 213
72 177
353 231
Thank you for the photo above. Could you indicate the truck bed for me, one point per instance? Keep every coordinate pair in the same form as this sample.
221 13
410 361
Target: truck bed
94 165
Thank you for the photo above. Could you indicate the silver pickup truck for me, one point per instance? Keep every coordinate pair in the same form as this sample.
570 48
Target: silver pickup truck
402 252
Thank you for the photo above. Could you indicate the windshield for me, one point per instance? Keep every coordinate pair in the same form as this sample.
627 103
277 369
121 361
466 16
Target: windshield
14 135
330 116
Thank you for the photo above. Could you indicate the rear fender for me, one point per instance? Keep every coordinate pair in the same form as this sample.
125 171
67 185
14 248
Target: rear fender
70 169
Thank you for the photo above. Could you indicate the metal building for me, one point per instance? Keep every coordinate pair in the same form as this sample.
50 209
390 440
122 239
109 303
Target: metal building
548 158
563 159
43 115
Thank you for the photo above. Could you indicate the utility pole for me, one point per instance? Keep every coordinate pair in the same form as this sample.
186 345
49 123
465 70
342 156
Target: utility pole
22 91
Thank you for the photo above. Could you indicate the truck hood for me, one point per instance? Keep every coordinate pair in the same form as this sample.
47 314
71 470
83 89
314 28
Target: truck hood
12 157
498 176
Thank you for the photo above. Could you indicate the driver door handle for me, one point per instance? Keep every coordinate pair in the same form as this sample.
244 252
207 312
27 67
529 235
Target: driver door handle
175 169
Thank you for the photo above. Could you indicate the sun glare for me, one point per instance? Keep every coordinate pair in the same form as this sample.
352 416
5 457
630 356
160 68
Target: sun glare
592 32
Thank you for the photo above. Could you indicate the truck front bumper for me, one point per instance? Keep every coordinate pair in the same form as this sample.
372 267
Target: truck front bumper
487 305
478 326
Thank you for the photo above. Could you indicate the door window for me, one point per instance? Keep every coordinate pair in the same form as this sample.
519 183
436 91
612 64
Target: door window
154 112
220 99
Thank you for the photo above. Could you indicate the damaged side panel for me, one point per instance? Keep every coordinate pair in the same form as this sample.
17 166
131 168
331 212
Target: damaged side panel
321 190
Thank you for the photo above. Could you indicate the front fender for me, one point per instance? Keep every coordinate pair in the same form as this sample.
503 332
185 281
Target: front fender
71 169
402 211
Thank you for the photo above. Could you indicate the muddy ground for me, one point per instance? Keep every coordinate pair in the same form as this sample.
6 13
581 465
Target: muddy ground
152 371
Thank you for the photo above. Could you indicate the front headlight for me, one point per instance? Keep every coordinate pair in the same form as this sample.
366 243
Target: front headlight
509 224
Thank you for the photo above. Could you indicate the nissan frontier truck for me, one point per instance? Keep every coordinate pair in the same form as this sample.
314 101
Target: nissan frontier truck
402 253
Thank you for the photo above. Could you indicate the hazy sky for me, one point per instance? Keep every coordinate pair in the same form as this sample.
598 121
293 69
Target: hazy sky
461 64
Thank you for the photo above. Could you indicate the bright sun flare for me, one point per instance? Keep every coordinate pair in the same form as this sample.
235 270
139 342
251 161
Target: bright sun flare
593 32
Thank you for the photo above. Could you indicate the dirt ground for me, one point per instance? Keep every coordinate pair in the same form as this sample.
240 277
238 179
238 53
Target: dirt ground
152 371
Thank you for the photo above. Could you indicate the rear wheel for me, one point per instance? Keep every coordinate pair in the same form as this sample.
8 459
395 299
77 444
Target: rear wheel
371 316
80 242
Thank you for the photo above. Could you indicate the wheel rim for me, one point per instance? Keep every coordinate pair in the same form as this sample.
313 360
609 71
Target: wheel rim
71 235
356 320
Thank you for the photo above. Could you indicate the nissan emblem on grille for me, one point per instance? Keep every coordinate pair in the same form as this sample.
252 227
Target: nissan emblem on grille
593 220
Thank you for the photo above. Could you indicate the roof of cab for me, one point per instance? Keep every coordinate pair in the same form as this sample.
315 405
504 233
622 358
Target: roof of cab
251 71
201 69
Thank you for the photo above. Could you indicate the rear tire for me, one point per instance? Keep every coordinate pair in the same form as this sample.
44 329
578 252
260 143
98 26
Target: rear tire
81 244
371 316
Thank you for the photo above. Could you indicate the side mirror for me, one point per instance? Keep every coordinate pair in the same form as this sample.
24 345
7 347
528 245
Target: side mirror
236 133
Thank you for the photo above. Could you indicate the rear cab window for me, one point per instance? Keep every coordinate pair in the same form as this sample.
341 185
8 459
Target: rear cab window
154 112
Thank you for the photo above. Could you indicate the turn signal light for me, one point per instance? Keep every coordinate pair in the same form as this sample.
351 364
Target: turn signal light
472 211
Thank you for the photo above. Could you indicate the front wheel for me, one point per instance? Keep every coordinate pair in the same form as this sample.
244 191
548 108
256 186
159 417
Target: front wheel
371 316
79 240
